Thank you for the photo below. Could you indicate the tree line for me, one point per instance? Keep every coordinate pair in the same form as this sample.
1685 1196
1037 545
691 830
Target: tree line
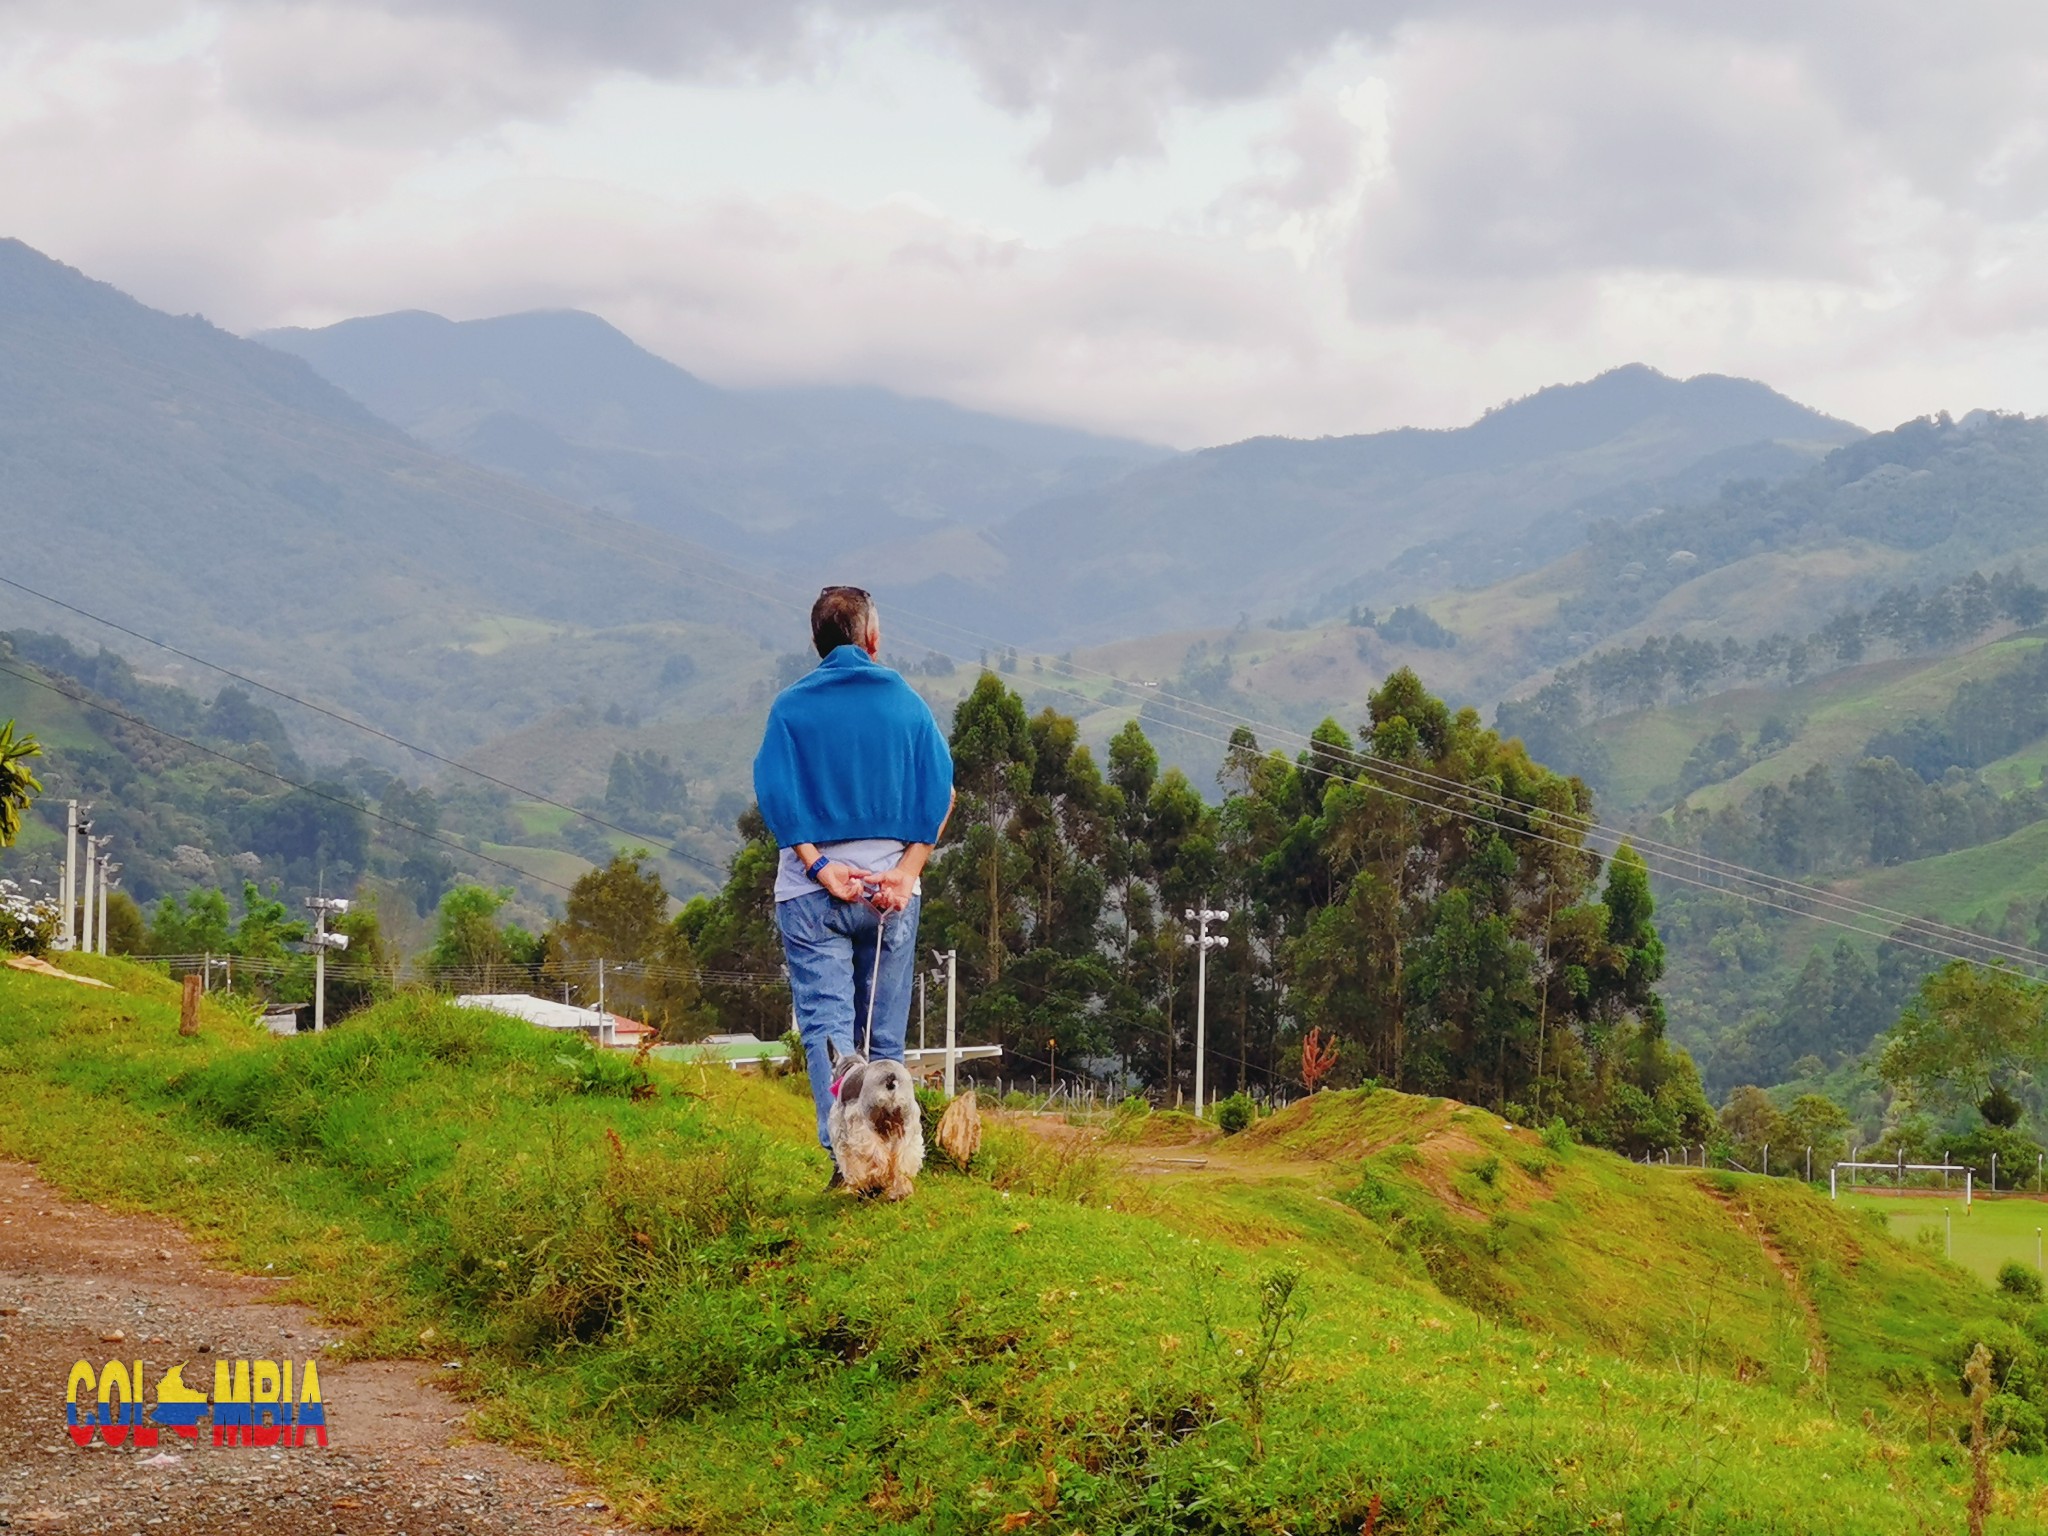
1667 668
1455 939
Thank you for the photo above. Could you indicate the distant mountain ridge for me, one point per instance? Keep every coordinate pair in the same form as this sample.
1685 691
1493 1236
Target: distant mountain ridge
1272 523
1043 535
566 401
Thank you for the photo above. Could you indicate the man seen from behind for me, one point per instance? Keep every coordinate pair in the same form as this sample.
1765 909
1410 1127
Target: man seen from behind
855 782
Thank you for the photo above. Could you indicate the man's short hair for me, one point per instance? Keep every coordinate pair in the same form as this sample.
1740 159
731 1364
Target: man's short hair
841 616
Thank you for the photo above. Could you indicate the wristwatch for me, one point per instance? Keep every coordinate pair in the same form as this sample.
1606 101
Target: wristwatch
821 861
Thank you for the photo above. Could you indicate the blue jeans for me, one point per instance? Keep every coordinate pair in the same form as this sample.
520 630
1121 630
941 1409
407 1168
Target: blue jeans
830 946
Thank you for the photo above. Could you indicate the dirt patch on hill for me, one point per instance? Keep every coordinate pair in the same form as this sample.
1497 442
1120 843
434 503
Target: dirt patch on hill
80 1283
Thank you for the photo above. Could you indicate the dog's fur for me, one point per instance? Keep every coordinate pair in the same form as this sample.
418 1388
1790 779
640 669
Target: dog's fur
876 1128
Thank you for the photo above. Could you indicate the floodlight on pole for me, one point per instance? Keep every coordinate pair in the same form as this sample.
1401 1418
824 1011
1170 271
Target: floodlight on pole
1202 941
322 941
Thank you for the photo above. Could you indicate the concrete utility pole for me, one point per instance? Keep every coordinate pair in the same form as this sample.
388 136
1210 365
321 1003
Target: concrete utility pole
322 941
69 897
108 869
1203 941
92 859
952 959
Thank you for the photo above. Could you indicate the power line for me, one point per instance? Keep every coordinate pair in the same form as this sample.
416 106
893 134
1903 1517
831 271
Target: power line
1509 828
318 794
1422 779
1591 827
396 741
1413 777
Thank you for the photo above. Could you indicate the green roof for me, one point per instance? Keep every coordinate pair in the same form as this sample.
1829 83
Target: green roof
771 1050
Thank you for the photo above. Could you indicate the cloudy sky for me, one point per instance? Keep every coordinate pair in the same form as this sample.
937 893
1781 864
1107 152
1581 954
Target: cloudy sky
1182 219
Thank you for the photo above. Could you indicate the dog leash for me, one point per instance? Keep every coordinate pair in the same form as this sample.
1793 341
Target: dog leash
874 980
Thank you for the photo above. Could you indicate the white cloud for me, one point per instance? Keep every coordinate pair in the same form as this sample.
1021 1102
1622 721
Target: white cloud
1169 217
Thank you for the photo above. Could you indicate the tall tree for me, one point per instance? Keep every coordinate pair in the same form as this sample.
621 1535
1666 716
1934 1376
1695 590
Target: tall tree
993 756
618 916
472 951
18 787
733 936
1970 1029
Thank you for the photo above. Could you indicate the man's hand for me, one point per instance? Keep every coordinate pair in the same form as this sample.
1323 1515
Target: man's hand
892 889
844 881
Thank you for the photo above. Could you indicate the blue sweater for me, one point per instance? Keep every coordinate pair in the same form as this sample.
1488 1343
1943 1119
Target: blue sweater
852 751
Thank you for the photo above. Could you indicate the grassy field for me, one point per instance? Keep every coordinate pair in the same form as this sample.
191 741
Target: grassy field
1990 1231
1837 715
1371 1302
1957 887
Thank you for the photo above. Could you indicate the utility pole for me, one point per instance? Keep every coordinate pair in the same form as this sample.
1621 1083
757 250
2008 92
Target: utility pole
322 941
952 959
108 869
1203 941
69 898
92 859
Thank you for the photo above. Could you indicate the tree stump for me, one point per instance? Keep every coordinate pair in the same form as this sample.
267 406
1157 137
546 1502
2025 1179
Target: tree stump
188 1008
960 1130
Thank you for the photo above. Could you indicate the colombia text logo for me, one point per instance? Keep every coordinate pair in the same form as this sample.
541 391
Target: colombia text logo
254 1402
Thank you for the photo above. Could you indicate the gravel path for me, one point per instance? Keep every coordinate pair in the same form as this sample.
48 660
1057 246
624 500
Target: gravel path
78 1283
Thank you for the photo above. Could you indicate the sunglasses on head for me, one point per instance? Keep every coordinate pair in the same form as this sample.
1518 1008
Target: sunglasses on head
860 592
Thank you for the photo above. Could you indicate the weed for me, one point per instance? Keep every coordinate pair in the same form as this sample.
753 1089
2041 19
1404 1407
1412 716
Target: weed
1069 1169
1235 1113
2017 1279
1985 1441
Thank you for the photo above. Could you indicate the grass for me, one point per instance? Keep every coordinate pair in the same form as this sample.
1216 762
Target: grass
1367 1301
555 864
1990 1231
1837 714
1961 886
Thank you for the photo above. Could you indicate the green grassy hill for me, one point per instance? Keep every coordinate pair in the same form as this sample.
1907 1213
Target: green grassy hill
1836 716
1371 1308
1963 886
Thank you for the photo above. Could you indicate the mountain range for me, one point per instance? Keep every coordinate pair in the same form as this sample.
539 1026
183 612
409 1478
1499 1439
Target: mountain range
566 402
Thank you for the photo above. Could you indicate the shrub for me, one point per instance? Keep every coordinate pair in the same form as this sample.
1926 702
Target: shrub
1235 1113
1557 1136
2018 1422
1070 1169
2016 1279
560 1243
27 926
1487 1170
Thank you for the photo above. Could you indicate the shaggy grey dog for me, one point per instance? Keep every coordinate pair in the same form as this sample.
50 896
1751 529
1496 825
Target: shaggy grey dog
876 1129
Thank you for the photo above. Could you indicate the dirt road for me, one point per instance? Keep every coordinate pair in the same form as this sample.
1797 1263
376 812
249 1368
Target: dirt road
77 1283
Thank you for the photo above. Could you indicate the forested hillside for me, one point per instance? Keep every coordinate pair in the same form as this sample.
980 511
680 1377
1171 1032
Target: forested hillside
1917 781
